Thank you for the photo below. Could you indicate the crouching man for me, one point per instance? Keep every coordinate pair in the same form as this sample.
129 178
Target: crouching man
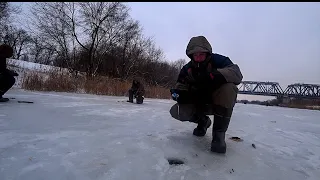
136 91
206 86
7 79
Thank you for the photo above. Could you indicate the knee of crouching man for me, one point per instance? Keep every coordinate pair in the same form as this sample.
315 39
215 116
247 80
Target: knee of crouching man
229 88
226 95
174 111
182 112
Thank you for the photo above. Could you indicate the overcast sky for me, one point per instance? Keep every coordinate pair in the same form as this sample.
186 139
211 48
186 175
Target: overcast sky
269 41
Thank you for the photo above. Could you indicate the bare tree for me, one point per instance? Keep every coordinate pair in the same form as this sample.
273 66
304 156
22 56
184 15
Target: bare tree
18 39
50 21
104 23
179 63
89 24
127 44
23 39
7 14
41 51
98 38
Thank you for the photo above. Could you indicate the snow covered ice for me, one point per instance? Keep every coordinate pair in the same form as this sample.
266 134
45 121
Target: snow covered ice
80 137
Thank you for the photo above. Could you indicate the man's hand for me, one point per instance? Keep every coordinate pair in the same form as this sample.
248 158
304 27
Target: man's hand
15 73
212 80
216 78
174 94
12 73
180 96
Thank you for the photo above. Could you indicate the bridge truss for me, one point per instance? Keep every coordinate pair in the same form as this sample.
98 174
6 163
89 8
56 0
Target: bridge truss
260 88
274 89
303 90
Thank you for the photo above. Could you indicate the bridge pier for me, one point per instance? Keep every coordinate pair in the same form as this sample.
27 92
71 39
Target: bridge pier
280 99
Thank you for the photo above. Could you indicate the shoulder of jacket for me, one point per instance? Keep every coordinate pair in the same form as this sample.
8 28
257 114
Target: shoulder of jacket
187 66
218 57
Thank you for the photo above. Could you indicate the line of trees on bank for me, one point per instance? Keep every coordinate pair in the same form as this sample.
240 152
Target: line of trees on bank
98 38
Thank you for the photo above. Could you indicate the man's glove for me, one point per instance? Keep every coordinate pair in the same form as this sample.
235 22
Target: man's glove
174 94
12 73
212 79
15 74
216 78
180 96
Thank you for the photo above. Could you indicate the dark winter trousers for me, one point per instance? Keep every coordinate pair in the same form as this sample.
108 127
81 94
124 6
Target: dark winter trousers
135 93
6 82
219 102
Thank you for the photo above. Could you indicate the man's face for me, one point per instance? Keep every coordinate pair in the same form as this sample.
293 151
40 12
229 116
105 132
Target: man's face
199 56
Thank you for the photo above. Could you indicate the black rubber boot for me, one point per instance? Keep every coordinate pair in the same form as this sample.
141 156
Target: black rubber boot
204 123
2 99
219 129
131 93
6 82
